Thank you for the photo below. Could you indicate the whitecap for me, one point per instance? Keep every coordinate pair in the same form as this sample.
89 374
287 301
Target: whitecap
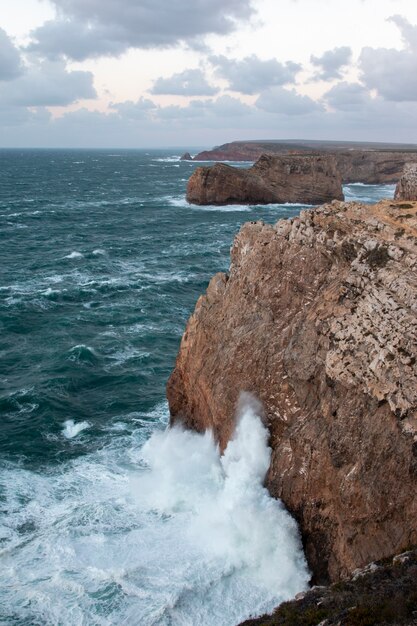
74 255
99 251
71 429
181 202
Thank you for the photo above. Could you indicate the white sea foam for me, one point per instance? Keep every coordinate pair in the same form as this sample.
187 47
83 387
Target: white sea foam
71 429
181 202
99 252
171 159
169 533
74 255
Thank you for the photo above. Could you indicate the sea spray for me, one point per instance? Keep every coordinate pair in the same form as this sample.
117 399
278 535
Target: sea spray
165 533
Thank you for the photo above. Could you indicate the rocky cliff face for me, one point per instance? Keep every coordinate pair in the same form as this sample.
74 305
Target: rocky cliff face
407 185
304 179
318 318
366 165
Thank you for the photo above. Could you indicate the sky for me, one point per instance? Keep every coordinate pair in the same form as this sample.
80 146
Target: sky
198 73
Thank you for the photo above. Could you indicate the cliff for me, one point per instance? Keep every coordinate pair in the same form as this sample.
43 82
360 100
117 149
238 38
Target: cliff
407 185
304 179
357 162
318 318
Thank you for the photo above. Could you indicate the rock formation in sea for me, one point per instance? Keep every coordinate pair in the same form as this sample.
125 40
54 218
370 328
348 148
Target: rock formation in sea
407 185
373 164
318 318
286 178
186 157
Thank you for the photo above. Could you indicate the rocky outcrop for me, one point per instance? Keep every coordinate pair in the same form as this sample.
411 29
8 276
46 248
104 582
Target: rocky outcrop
318 318
304 179
381 593
186 157
407 185
363 163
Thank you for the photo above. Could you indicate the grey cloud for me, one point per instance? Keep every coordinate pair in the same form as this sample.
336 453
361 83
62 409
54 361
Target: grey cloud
347 96
48 84
222 108
252 75
88 28
286 102
331 63
187 83
203 122
393 72
10 62
134 110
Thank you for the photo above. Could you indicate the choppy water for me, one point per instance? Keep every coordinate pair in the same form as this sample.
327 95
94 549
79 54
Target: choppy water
106 519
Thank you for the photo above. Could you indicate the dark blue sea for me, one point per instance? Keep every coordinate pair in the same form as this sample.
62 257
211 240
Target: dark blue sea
106 517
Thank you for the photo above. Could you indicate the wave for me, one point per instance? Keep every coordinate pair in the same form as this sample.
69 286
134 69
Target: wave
181 202
74 255
166 533
71 429
171 159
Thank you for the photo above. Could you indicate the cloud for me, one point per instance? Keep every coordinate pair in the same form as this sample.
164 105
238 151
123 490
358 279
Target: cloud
10 62
187 83
252 75
134 110
91 28
393 72
286 102
331 63
347 96
48 84
224 108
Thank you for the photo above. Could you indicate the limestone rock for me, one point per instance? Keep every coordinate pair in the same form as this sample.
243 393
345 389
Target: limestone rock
318 318
295 178
407 185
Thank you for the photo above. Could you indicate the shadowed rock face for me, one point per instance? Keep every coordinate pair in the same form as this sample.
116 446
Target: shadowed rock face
318 318
304 179
407 185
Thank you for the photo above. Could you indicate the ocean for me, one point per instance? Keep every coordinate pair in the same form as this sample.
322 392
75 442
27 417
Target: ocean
107 517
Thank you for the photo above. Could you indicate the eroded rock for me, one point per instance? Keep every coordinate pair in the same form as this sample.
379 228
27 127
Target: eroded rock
407 185
318 318
294 178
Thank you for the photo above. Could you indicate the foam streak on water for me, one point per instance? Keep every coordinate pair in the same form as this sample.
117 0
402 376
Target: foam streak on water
173 535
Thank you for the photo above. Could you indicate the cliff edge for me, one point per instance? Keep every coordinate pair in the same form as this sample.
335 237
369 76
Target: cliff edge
318 318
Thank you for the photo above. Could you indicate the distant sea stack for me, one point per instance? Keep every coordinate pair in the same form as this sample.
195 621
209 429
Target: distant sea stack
272 179
318 318
407 185
186 157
